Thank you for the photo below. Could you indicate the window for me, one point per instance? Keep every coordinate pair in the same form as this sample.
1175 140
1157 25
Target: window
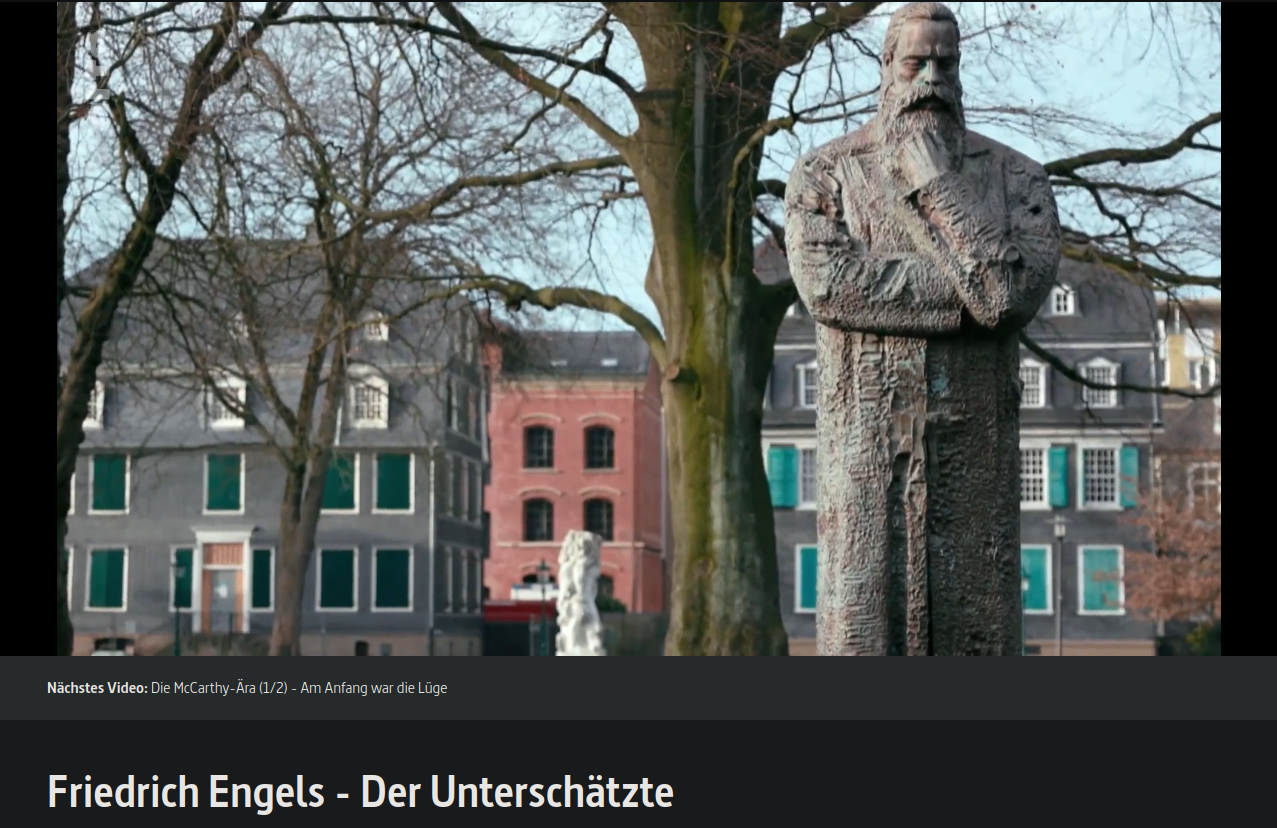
224 483
109 484
1110 477
472 417
1033 384
108 579
538 520
393 483
598 518
376 327
1033 478
1100 574
607 587
807 477
226 404
370 402
1219 421
474 503
1035 579
1103 373
239 326
338 580
807 385
458 488
465 397
538 448
341 487
1099 476
600 447
609 362
263 575
97 399
1195 373
1205 486
181 576
805 580
1063 301
392 580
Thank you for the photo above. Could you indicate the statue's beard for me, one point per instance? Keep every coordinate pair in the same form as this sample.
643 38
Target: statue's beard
925 110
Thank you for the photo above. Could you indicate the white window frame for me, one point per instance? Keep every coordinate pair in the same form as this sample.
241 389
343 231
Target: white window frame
243 480
1066 296
797 443
379 385
1104 445
412 484
799 609
319 580
609 362
1219 423
374 327
804 503
172 582
231 386
1034 365
802 369
1081 579
412 563
128 487
93 420
1045 503
88 578
1112 400
353 511
239 325
274 558
454 405
1193 468
1050 578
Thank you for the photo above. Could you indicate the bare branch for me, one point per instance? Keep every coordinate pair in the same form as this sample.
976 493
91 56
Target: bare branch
838 17
1166 151
1063 367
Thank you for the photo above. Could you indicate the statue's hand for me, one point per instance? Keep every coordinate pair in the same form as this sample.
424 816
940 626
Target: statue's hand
922 159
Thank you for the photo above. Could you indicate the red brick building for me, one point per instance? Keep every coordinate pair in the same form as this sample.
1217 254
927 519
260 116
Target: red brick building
574 423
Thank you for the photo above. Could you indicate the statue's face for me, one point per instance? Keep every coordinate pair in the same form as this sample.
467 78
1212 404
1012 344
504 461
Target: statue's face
923 75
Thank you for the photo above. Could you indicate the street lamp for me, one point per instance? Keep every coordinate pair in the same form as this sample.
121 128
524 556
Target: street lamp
179 572
543 578
1061 529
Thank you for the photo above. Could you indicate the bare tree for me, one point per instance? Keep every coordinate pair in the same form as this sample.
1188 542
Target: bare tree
165 66
339 204
720 84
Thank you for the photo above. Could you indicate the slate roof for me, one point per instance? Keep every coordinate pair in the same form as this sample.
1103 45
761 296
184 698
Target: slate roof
571 354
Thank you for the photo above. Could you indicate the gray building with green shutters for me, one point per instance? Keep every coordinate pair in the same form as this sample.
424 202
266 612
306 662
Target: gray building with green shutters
1086 456
177 496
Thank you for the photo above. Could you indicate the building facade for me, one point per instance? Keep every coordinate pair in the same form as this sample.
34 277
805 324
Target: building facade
576 443
174 530
1190 452
1085 456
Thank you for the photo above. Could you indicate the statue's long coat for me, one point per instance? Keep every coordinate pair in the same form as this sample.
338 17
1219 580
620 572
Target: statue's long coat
918 418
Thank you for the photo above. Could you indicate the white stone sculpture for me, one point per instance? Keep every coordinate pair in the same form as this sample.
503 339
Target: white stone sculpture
580 628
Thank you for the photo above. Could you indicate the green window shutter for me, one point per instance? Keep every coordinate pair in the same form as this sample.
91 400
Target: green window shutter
782 476
1034 561
110 476
337 579
106 579
339 486
1129 469
1101 580
183 577
263 582
224 493
1058 474
394 482
393 586
807 577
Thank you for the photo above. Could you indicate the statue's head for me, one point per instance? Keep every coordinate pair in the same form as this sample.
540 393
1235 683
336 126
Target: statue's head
920 89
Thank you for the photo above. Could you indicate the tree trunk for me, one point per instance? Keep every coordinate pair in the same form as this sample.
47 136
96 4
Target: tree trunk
66 73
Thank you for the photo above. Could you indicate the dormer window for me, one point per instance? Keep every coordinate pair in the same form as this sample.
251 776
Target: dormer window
807 387
375 327
558 363
239 326
610 362
1033 384
226 403
1063 301
369 402
97 399
1101 372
